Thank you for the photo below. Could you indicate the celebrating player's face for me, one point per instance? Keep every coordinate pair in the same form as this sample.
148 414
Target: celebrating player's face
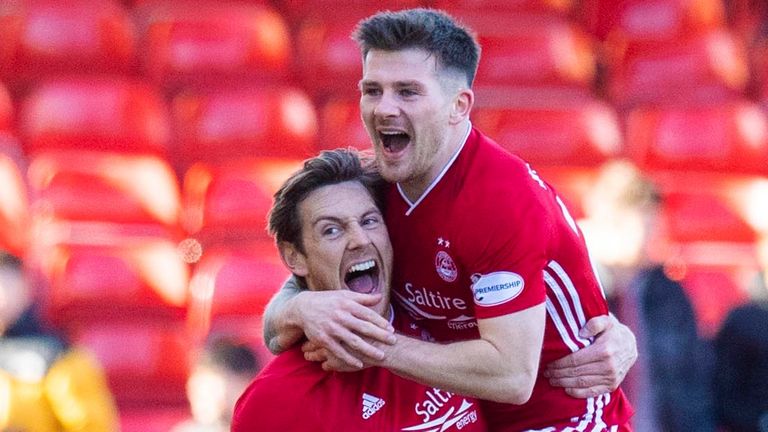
346 242
405 110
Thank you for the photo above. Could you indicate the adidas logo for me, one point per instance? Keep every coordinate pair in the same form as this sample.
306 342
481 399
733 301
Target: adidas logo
371 404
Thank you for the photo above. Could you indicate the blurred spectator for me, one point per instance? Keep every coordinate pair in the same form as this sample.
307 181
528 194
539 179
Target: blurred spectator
45 385
222 373
741 348
667 385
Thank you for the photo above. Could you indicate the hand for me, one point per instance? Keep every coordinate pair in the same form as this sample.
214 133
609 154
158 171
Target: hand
315 353
600 367
342 323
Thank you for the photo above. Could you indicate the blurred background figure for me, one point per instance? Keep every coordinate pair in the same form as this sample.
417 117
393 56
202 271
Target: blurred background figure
741 348
45 384
668 385
219 377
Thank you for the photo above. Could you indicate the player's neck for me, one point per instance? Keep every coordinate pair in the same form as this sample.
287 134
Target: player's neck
415 187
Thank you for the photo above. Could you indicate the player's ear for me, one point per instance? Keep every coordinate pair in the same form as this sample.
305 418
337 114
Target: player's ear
462 105
293 259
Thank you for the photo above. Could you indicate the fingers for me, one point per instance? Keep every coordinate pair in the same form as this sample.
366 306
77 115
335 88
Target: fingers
582 382
368 314
333 364
584 393
363 326
335 349
590 354
589 369
595 326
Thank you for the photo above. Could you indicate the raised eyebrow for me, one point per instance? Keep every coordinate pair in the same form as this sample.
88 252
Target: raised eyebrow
372 211
321 219
367 83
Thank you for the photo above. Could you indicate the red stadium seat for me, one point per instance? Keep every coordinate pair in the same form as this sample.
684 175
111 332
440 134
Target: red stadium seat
341 126
327 59
128 279
229 124
41 38
147 362
235 281
95 114
105 187
550 53
708 207
229 203
652 19
210 43
707 68
530 49
14 197
570 134
732 137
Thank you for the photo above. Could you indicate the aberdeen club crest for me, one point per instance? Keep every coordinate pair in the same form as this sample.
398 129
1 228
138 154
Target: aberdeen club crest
445 267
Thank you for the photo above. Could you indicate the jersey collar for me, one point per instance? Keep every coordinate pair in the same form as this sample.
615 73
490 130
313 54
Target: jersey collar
412 205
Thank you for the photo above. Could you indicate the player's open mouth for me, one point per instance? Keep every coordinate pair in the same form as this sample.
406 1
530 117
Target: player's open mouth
363 277
394 141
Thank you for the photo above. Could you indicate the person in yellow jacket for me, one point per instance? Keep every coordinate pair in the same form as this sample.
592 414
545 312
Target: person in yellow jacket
45 386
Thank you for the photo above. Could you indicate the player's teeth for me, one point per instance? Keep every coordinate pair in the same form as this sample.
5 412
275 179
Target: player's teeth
362 266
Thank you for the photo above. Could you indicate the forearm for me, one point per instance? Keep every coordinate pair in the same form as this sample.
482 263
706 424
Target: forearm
281 324
473 368
501 366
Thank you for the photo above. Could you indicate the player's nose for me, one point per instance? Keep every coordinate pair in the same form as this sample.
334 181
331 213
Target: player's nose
386 106
358 237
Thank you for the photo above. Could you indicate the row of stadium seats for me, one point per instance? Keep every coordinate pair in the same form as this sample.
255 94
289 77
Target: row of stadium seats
633 52
128 116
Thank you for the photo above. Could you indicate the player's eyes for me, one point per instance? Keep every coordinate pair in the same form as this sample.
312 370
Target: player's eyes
331 231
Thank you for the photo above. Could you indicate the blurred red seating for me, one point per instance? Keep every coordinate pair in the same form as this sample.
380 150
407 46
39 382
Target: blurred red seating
153 418
126 279
229 203
297 10
327 59
210 43
14 197
95 114
147 362
235 281
531 57
7 113
340 124
652 19
249 122
709 207
41 38
732 137
567 135
558 7
706 68
105 187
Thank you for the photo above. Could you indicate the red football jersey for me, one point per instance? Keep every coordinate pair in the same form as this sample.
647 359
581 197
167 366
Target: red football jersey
293 395
489 237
